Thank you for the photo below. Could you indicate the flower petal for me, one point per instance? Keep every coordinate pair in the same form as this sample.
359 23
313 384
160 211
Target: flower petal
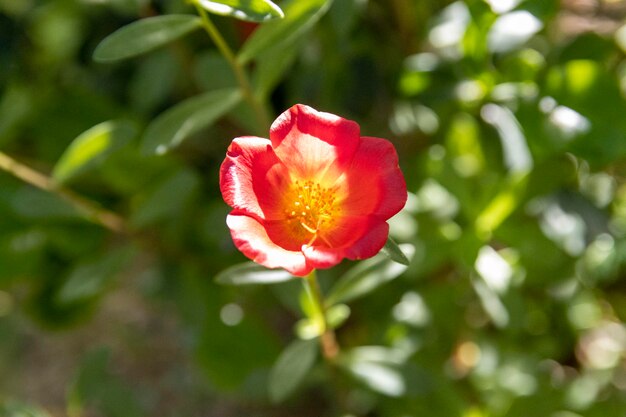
345 231
251 238
369 244
319 257
314 144
375 163
252 178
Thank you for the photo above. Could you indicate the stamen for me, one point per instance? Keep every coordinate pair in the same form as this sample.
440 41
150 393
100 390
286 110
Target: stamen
312 205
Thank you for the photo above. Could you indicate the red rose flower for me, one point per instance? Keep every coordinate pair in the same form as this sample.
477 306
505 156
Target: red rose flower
315 193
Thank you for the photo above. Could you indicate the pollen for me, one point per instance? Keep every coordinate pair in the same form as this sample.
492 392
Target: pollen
312 206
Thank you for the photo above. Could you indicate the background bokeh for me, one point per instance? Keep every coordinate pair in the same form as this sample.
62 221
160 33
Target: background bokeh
510 120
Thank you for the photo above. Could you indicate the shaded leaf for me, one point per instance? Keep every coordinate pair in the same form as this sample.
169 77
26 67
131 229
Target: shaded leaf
153 80
250 10
393 251
34 204
367 276
92 147
90 278
213 72
96 388
300 16
251 273
291 368
167 200
178 123
272 65
143 36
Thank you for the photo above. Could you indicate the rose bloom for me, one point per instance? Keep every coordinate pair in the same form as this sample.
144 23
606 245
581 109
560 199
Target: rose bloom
313 194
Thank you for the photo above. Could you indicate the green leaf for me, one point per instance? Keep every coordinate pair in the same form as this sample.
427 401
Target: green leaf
178 123
393 252
272 65
90 278
377 367
12 409
154 80
251 273
143 36
96 388
250 10
300 16
292 366
213 72
33 204
167 200
92 147
337 315
367 276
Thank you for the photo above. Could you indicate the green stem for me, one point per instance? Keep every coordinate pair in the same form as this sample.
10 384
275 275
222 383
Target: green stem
263 119
91 210
328 341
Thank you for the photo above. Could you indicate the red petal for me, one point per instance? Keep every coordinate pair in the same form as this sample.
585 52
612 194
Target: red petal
375 184
251 238
345 231
370 244
252 178
314 144
368 236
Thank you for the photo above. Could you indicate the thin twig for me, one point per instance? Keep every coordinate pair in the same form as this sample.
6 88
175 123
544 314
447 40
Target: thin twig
91 210
260 112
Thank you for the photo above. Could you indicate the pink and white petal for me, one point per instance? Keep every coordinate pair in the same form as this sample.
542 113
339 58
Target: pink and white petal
375 163
252 240
369 244
319 257
314 144
252 178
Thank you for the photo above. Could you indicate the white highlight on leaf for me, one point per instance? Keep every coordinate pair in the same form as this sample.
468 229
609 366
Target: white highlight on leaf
511 30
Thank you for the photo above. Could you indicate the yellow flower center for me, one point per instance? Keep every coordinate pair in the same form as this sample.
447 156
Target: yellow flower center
312 206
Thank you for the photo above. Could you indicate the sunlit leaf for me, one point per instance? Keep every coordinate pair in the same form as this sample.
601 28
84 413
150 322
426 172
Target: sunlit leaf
178 123
376 367
512 30
393 251
144 35
501 206
367 276
300 16
337 315
92 147
12 409
250 10
291 368
252 273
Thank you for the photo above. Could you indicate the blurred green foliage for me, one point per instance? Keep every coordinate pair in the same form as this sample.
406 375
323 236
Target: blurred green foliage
509 118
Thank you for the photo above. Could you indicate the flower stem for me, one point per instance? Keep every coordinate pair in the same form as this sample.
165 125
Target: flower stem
89 209
260 111
328 341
